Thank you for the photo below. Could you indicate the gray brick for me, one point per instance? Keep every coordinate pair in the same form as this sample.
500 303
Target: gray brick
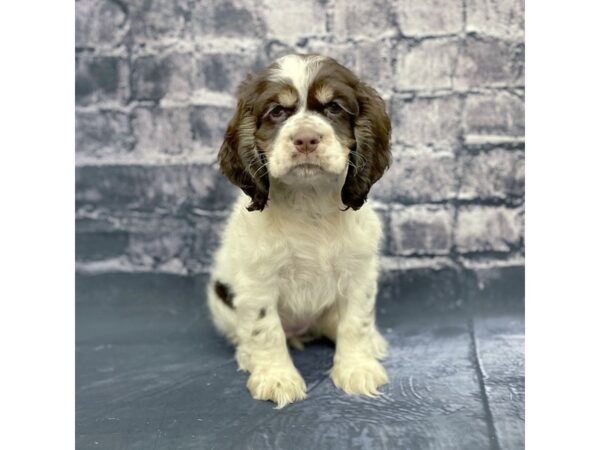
157 77
224 71
163 130
206 238
150 78
418 177
427 283
496 174
372 60
494 114
430 17
189 251
159 19
421 230
488 229
228 18
374 64
97 219
488 63
103 133
151 240
291 19
500 18
428 64
101 78
364 19
99 23
427 122
208 125
100 246
345 53
170 189
152 250
495 283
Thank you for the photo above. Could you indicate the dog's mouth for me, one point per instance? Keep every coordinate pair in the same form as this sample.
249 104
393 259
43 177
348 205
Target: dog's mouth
306 169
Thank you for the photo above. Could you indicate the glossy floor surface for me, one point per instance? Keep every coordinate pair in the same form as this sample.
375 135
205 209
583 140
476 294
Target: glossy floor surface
153 374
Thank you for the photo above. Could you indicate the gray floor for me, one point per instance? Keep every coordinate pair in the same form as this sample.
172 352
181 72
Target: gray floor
153 374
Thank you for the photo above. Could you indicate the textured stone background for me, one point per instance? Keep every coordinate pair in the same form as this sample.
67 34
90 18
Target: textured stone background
154 92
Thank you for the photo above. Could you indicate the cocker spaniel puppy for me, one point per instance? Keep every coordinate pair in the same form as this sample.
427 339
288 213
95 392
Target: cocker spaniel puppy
299 255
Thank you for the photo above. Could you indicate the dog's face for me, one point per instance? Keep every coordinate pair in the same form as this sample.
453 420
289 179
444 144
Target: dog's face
306 119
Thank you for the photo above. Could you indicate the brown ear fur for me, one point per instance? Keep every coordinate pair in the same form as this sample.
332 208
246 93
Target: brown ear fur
240 159
372 156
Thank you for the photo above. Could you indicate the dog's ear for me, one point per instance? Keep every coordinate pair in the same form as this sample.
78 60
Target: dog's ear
372 156
239 158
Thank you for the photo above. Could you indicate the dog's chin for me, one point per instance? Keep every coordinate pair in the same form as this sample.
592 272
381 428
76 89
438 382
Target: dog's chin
308 174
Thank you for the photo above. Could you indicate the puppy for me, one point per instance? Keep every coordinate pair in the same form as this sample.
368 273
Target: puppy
299 254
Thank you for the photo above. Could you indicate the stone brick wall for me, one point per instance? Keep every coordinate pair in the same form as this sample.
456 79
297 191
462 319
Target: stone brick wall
154 86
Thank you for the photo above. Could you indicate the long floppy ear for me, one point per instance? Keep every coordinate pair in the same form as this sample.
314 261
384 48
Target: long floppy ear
241 161
372 156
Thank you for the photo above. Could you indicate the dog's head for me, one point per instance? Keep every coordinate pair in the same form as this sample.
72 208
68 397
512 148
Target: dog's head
306 119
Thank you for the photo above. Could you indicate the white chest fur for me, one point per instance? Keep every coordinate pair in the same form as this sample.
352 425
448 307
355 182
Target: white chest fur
306 259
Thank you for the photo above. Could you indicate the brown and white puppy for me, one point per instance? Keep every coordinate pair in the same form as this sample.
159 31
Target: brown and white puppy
299 254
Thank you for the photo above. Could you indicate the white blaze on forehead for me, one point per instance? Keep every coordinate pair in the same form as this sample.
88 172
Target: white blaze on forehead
299 70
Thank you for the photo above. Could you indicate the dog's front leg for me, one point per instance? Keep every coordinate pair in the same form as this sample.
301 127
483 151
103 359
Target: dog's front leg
356 369
262 350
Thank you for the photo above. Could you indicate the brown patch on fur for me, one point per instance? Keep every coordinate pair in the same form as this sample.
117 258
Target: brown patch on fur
372 156
256 332
262 313
248 136
337 82
364 127
267 128
224 293
240 160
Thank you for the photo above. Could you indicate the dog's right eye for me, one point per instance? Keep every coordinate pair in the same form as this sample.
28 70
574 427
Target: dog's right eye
278 114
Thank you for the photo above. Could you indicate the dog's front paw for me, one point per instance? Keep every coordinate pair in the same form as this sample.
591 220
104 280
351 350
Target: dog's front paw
359 375
279 385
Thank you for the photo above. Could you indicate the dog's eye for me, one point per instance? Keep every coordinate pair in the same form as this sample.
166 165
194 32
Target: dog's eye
333 108
278 113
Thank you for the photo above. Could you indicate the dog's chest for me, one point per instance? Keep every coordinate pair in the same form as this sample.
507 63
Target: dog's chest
314 262
309 277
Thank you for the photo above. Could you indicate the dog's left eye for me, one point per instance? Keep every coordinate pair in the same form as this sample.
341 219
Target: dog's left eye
333 108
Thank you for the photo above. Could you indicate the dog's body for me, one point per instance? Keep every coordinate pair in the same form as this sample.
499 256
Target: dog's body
305 265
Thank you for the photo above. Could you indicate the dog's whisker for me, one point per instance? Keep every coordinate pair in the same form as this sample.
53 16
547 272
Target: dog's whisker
262 166
360 159
351 164
357 168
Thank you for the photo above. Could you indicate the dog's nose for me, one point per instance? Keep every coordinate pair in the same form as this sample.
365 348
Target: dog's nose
306 141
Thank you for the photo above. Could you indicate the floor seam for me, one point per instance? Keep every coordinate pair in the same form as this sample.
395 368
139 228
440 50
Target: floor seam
489 417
